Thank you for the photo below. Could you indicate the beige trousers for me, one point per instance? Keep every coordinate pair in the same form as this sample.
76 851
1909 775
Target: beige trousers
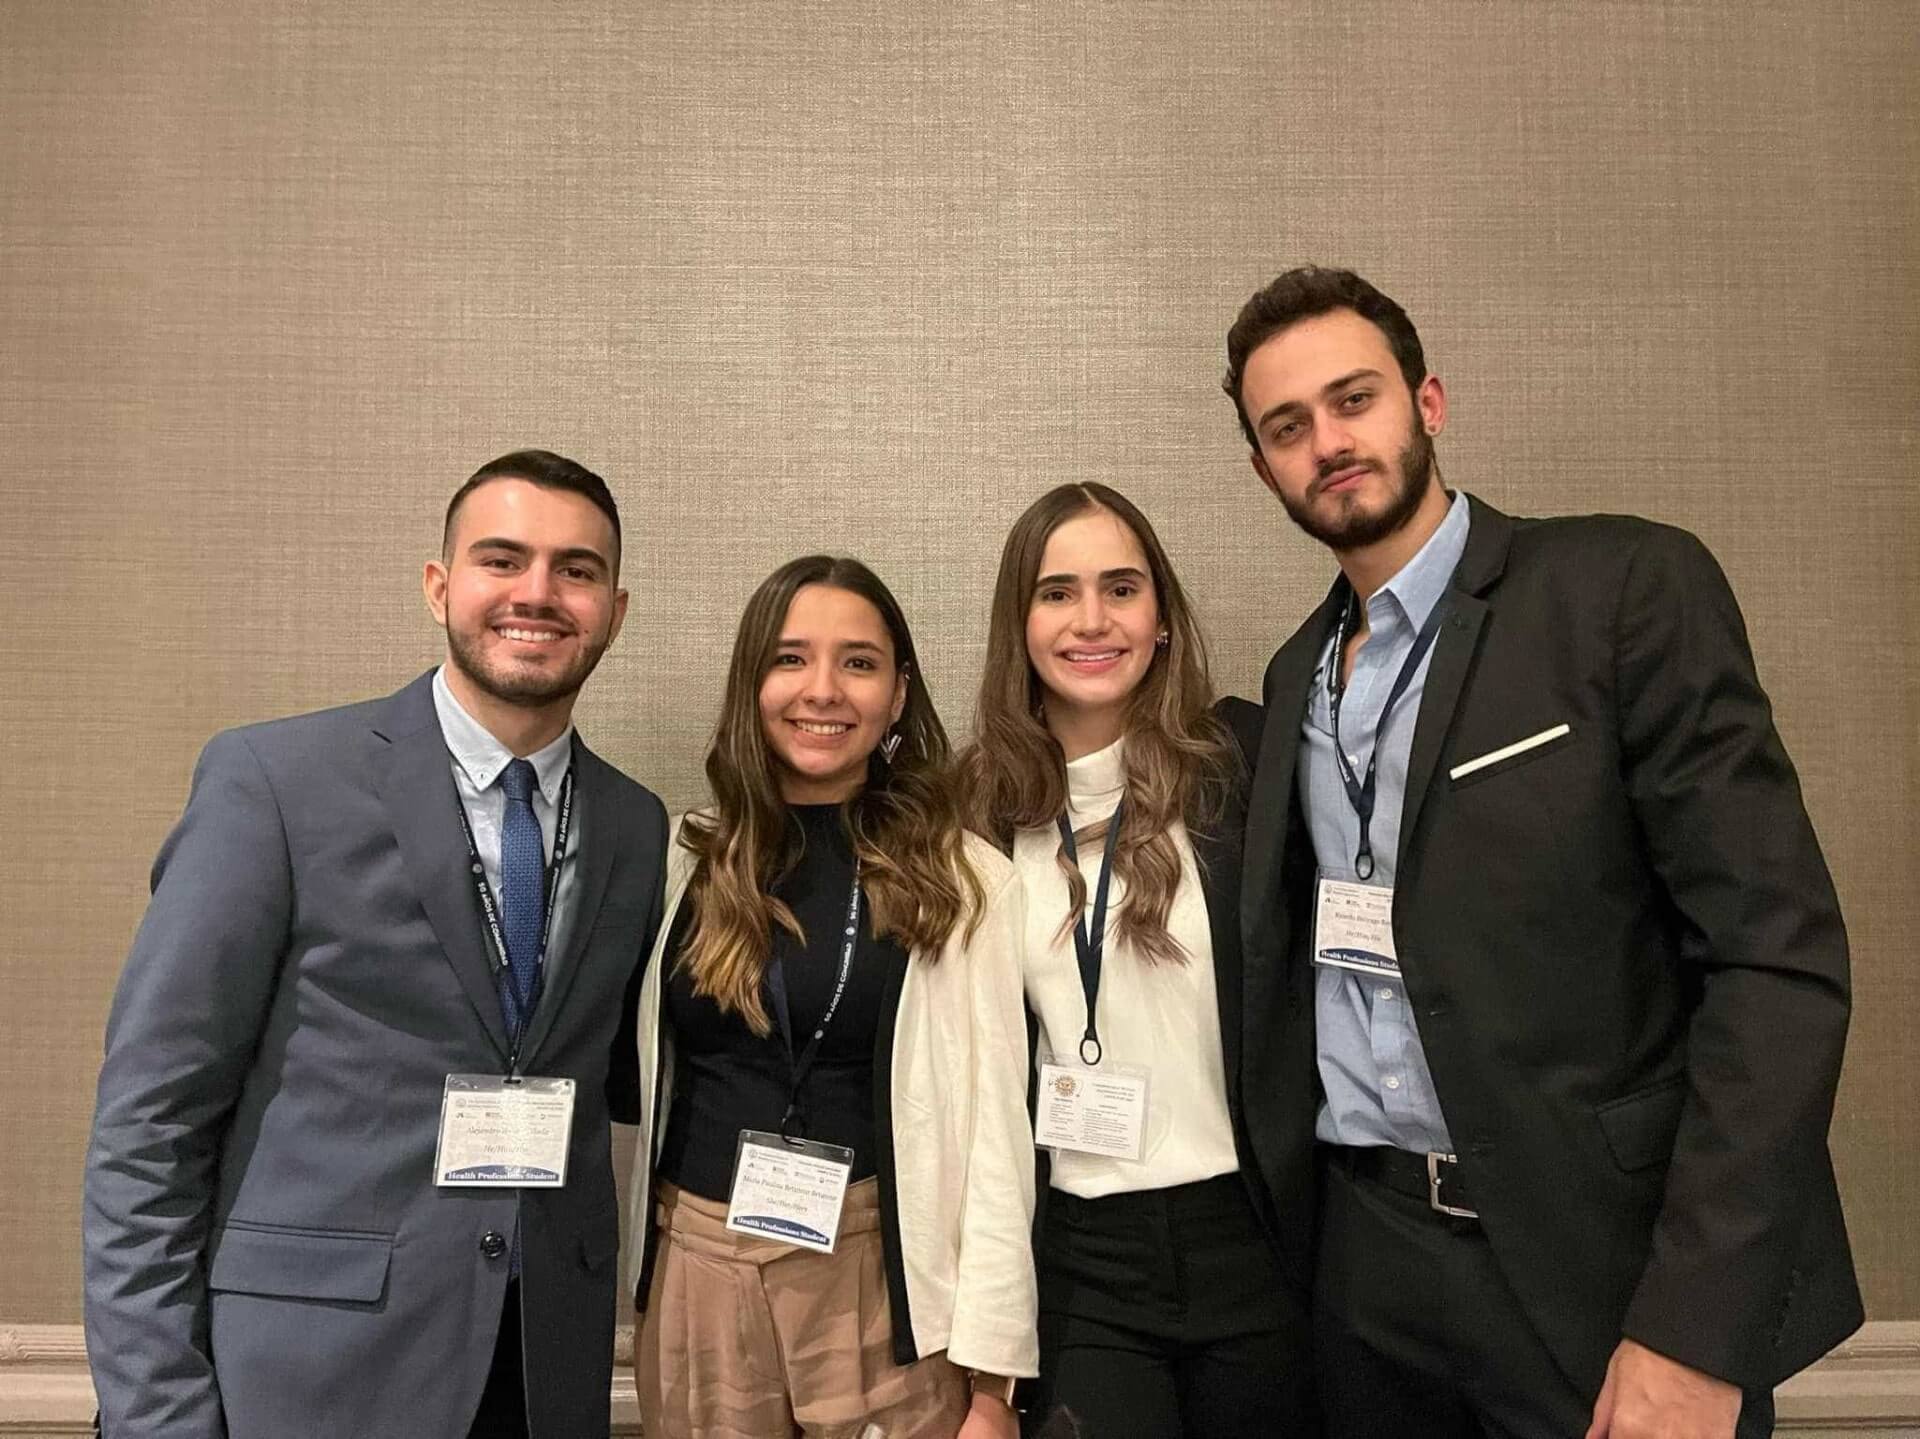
750 1338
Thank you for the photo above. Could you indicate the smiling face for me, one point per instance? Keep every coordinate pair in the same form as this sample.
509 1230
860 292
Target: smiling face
831 691
1342 441
526 592
1093 624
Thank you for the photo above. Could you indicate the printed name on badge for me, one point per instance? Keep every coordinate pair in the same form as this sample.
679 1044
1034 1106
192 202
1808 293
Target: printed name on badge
1353 927
504 1133
788 1189
1092 1109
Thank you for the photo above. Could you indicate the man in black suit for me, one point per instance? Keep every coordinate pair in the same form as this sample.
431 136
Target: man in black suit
1529 872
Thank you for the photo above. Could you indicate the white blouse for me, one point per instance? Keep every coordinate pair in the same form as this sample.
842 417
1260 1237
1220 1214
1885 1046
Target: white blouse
1164 1017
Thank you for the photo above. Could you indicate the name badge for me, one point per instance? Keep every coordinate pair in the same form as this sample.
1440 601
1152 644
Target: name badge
788 1189
1092 1109
1353 927
504 1133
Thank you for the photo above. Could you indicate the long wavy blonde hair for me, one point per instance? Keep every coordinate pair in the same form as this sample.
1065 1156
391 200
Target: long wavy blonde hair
1178 757
904 823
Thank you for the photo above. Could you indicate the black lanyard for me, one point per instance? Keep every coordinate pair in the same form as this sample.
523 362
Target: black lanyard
1090 939
1360 793
777 982
521 1004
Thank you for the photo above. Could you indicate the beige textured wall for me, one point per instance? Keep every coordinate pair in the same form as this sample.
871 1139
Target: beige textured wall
868 277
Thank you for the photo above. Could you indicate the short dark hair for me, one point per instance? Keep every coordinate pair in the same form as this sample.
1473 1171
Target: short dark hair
1300 294
549 472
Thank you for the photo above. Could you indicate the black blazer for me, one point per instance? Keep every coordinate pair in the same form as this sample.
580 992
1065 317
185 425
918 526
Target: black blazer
1286 1212
1622 948
1218 850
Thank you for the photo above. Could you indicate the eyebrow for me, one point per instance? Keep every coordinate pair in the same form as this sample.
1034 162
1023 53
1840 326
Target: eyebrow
1125 572
795 642
1331 387
572 554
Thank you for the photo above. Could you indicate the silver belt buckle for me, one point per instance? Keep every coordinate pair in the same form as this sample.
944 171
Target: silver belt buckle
1434 1202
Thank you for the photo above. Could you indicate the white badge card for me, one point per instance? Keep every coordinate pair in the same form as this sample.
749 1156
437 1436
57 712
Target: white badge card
788 1189
1353 927
504 1133
1091 1109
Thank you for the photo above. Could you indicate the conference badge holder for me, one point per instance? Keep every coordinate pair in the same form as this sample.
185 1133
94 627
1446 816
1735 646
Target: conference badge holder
499 1133
1353 928
1092 1108
788 1189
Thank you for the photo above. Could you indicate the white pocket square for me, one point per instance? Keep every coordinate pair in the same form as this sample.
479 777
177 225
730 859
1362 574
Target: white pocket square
1519 746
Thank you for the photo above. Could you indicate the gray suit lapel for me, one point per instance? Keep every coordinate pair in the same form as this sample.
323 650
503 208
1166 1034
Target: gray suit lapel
421 801
599 821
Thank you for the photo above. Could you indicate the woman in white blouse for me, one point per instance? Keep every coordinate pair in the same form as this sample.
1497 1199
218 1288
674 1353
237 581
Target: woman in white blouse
1172 1298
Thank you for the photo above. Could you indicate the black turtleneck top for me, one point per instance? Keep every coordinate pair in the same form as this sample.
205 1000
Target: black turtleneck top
728 1079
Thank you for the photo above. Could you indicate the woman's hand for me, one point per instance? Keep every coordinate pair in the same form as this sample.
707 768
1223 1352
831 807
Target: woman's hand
990 1418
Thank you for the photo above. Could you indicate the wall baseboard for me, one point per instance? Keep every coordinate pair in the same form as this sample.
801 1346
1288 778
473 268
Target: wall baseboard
1868 1388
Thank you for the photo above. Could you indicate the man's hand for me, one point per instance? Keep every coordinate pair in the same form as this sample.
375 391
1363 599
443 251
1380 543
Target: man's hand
990 1418
1649 1396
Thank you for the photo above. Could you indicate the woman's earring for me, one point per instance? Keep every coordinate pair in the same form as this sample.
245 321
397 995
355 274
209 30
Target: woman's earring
1160 640
890 745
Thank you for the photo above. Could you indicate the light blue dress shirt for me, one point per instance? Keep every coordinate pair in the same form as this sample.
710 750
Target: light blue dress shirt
1374 1072
477 759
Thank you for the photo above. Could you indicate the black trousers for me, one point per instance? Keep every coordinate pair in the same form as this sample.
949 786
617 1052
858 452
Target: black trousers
503 1403
1164 1315
1415 1330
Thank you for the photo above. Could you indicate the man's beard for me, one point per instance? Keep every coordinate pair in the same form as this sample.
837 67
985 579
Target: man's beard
528 688
1348 527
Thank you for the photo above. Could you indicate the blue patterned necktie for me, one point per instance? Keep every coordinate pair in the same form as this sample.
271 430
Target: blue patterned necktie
523 865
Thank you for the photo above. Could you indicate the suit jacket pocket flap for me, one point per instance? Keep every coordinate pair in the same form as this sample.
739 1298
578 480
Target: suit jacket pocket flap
1640 1126
301 1263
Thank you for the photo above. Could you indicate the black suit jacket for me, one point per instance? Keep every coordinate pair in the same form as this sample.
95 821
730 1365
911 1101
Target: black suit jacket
1287 1215
1282 1197
1622 948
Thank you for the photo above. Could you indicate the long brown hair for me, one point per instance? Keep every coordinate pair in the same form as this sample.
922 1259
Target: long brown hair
904 824
1177 759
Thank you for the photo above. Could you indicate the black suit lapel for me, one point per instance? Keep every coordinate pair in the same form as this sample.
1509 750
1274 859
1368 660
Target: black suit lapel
1265 923
1480 566
1272 796
1218 851
600 841
421 801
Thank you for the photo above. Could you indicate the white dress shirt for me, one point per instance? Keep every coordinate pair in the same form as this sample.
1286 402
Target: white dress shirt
478 758
1163 1016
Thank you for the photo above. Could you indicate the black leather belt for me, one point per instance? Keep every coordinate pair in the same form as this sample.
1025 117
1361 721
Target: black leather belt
1436 1178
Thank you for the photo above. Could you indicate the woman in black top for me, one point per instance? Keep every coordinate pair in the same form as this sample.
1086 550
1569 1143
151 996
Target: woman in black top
833 1183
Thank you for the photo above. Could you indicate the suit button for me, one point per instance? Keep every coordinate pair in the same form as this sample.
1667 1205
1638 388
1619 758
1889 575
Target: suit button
493 1244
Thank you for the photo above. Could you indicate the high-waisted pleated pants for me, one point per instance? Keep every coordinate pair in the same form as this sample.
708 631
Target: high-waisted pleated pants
751 1338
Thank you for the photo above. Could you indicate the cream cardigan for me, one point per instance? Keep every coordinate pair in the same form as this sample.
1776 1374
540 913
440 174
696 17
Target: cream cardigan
961 1167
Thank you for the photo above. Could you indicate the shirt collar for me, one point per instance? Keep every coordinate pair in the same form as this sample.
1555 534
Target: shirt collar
1422 580
481 757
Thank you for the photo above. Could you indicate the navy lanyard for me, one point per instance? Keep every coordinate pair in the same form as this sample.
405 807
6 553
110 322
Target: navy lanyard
1090 939
522 1004
1360 792
777 982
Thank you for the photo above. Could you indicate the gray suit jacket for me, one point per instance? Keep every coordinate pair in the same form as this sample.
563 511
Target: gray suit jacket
266 1253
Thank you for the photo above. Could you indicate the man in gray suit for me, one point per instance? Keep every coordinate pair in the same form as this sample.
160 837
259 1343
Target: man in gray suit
350 1169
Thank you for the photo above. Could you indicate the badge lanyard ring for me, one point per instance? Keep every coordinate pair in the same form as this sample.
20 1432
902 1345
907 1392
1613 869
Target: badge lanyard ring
791 1129
1090 937
522 1004
1361 792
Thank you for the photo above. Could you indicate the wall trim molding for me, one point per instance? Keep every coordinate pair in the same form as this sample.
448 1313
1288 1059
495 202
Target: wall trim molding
1870 1385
